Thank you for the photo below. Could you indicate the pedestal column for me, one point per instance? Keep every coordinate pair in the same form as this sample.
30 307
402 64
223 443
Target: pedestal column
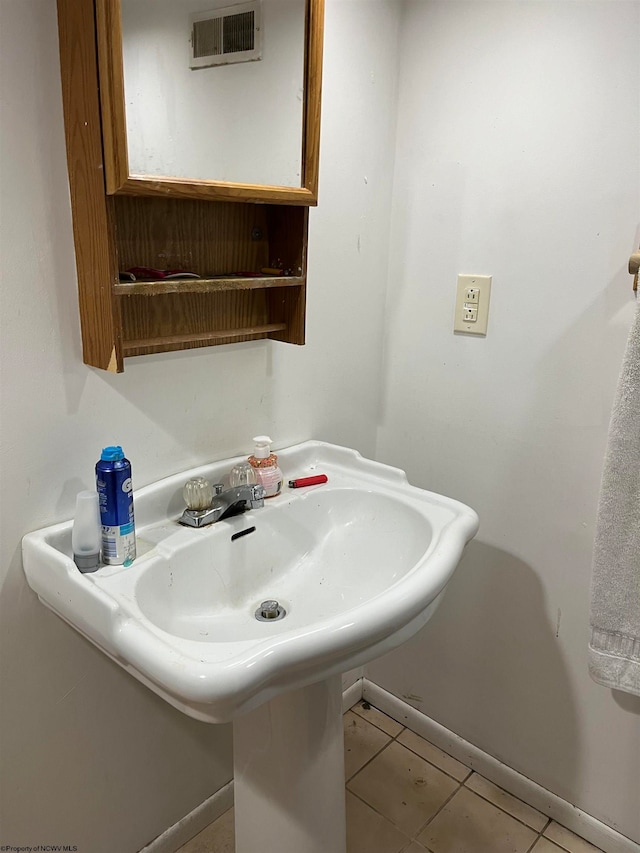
289 773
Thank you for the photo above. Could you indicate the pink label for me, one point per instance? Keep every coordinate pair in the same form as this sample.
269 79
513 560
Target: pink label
271 480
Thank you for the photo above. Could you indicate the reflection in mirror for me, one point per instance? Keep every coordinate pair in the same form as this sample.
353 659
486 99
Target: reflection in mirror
238 121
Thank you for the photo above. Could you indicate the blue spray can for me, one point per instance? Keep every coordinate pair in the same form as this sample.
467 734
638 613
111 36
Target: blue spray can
115 492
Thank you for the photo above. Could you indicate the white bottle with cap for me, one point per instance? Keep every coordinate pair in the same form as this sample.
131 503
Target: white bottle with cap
265 464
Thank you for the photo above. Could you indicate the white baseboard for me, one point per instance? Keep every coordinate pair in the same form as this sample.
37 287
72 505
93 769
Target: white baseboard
193 823
352 695
515 783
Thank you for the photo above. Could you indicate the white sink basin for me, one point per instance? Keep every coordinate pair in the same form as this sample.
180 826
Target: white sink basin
359 564
314 552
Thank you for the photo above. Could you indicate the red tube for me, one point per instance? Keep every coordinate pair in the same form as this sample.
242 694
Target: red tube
308 481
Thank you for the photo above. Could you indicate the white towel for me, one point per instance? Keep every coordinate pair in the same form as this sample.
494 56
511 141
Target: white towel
614 646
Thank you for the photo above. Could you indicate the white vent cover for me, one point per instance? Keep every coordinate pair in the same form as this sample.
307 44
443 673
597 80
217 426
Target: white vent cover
223 36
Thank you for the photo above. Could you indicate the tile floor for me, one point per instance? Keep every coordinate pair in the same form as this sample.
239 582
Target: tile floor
405 795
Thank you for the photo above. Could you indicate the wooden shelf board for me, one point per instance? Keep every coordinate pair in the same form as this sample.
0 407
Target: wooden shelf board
203 285
186 341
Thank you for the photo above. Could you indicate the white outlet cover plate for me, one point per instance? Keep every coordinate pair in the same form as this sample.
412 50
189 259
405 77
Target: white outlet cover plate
483 284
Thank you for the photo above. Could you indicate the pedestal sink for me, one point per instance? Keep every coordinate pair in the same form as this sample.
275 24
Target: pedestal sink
358 565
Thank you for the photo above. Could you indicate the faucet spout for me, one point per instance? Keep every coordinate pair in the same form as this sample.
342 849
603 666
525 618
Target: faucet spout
225 503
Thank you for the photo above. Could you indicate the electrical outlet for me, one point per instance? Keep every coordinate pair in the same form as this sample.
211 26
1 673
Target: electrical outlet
472 304
470 313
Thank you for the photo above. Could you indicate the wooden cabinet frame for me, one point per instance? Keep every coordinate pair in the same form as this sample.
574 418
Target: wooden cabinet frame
218 230
121 180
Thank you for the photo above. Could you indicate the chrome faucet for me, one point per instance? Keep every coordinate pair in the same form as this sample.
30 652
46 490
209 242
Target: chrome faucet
207 504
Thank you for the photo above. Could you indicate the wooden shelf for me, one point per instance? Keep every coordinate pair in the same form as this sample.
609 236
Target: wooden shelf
180 342
204 285
174 314
157 321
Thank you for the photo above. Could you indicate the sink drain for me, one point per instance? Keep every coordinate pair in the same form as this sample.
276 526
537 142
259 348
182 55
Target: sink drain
270 611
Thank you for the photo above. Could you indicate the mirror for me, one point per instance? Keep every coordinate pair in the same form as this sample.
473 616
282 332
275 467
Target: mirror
217 102
238 120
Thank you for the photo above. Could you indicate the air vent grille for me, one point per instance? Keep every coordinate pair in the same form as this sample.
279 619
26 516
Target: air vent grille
226 35
207 38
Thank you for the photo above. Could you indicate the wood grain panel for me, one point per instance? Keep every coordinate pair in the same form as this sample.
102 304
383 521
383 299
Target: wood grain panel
164 186
111 72
203 285
192 315
313 97
182 342
287 306
208 238
287 233
92 225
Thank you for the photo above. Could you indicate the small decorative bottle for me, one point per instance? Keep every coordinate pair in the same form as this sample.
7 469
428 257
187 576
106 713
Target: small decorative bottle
265 464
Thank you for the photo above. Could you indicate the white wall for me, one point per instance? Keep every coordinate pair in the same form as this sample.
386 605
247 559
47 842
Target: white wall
517 155
88 755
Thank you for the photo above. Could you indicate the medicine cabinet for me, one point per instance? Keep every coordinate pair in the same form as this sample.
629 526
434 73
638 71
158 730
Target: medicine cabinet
137 234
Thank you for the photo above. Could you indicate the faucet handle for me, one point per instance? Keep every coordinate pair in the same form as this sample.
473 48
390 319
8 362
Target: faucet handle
198 494
242 474
257 496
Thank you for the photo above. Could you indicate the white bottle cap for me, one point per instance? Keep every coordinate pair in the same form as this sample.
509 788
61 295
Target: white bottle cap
262 449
